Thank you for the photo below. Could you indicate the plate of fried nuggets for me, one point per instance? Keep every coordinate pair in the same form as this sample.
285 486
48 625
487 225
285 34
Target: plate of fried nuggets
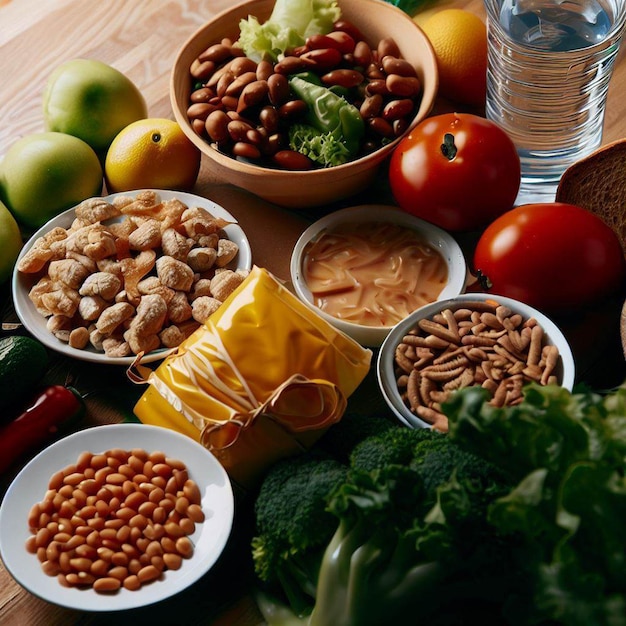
128 274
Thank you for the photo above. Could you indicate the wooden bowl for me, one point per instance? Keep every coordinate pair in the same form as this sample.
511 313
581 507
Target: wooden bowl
376 19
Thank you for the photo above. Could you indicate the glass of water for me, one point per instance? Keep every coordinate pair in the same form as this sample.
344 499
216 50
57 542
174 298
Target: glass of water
550 63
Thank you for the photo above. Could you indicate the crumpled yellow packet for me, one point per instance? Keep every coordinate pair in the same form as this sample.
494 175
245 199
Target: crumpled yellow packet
262 379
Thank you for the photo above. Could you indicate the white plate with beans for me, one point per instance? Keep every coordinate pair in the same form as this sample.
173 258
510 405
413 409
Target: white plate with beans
116 517
61 298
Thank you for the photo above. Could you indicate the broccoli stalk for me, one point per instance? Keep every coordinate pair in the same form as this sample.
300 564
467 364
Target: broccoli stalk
371 572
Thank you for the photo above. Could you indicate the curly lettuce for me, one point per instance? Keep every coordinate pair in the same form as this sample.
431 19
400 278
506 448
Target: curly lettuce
290 23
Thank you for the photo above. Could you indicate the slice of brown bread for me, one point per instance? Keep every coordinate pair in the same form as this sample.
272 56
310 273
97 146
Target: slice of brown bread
598 183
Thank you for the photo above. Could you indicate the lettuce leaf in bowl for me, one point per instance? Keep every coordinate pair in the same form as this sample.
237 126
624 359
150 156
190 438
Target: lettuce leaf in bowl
290 23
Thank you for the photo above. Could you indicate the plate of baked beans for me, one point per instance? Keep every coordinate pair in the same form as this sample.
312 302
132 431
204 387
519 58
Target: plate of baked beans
116 517
128 274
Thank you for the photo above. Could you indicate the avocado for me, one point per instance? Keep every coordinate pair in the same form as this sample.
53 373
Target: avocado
23 362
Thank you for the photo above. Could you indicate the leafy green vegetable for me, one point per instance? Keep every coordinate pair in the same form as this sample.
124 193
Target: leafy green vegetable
515 517
389 546
567 511
322 148
290 23
330 114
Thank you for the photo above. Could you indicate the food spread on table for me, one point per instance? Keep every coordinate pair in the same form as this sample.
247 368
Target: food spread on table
502 502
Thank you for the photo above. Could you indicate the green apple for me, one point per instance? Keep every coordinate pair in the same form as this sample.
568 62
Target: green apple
10 243
43 174
91 100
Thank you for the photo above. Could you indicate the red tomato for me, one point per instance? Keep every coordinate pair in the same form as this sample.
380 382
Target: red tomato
457 170
553 256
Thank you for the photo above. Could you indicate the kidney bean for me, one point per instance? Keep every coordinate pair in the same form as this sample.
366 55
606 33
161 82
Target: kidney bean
246 150
348 27
252 94
362 54
229 103
200 110
292 108
241 65
396 109
238 84
269 118
218 53
387 46
323 58
343 41
278 87
292 160
378 86
343 78
380 126
293 64
264 70
319 41
201 70
394 65
404 86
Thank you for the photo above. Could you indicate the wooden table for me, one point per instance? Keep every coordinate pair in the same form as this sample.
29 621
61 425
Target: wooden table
141 38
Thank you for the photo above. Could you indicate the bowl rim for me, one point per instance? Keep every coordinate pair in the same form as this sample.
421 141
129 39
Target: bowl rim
436 237
429 94
384 362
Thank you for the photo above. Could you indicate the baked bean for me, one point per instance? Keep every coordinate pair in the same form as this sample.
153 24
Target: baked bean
105 531
106 584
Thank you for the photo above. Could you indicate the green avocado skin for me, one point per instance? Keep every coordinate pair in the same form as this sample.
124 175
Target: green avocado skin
23 362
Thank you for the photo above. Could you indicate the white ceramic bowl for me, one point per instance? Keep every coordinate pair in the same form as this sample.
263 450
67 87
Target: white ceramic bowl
30 485
373 336
35 323
565 370
376 20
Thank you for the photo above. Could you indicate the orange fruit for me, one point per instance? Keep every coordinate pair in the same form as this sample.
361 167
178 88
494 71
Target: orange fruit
459 39
151 154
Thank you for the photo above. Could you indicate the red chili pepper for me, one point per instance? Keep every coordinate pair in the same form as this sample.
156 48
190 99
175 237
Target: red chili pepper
50 410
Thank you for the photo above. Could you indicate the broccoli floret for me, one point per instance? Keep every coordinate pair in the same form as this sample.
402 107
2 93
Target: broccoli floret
293 525
340 439
377 538
396 445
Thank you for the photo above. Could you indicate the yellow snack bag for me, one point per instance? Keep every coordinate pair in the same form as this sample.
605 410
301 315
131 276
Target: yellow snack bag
262 379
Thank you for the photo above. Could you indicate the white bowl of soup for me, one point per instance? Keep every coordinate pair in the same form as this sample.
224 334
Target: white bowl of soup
366 268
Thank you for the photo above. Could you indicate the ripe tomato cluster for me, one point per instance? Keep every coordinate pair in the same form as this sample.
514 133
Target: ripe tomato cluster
462 173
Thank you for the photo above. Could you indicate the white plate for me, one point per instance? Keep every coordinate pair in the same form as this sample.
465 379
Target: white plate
30 485
35 323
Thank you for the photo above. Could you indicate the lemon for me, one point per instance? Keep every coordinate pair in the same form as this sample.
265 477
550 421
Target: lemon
151 154
10 243
91 100
459 39
43 174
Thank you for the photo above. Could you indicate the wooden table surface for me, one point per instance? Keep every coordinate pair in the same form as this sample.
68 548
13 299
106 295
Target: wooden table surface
141 38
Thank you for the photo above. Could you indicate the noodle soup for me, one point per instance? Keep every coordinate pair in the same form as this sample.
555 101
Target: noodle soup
365 268
372 273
